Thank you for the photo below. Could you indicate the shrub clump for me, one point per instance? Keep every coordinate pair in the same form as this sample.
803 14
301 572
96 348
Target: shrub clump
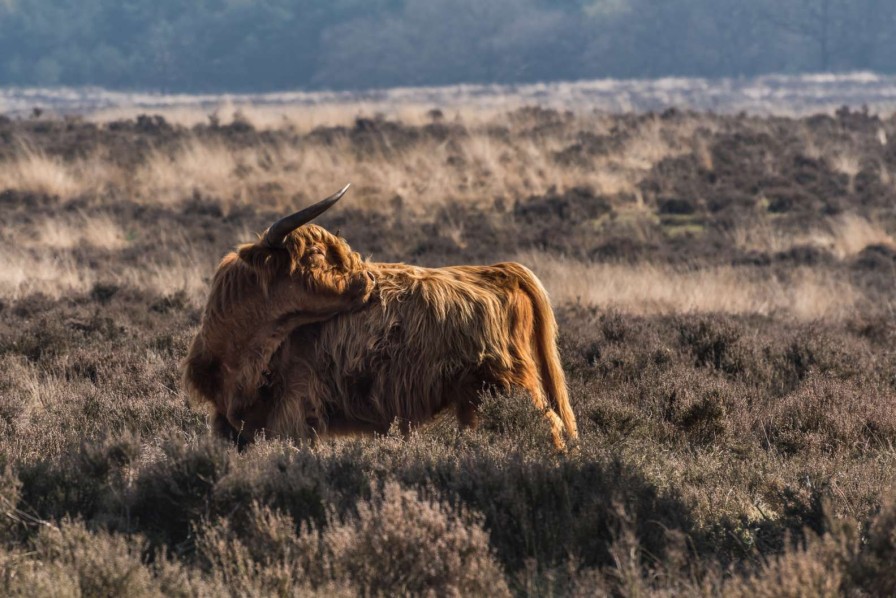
397 543
70 560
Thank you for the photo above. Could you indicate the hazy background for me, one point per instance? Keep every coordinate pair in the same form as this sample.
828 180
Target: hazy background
267 45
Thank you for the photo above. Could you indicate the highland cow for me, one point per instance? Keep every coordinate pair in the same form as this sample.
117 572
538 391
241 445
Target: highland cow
299 341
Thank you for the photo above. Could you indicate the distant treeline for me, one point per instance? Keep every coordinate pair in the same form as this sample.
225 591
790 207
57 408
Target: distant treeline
241 45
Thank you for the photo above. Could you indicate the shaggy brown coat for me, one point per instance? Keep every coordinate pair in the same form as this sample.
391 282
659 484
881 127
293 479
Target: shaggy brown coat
259 295
424 340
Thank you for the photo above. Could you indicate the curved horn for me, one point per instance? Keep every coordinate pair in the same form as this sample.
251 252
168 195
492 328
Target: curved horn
278 231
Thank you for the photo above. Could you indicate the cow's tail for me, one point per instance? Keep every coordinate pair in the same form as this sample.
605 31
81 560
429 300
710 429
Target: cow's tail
553 380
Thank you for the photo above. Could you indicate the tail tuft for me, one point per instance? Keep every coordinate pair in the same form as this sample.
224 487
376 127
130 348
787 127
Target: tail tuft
553 379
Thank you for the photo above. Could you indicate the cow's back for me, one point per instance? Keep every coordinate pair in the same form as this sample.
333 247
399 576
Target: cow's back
428 331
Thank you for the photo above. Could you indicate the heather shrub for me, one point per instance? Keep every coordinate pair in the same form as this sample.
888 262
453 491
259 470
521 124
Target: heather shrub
614 353
401 544
294 480
17 379
70 560
814 570
89 482
715 342
176 490
827 414
515 415
545 506
840 561
269 556
843 561
99 564
23 577
814 350
614 417
396 543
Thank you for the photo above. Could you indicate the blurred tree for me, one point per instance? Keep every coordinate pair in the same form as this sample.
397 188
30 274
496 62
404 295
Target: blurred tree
844 34
815 20
243 45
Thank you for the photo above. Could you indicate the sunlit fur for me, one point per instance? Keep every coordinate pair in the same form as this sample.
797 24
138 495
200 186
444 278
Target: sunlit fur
295 342
429 339
258 296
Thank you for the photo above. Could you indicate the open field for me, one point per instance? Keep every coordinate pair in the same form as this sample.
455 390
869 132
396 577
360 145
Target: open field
724 286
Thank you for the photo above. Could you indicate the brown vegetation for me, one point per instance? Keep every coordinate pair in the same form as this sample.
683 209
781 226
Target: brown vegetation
725 316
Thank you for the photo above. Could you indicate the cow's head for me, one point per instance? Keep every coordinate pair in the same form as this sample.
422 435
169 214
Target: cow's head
295 274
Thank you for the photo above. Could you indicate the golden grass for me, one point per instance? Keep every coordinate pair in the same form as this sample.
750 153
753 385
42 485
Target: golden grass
652 289
849 163
41 260
277 173
478 167
205 167
186 275
642 289
33 171
67 232
851 234
844 236
37 173
56 275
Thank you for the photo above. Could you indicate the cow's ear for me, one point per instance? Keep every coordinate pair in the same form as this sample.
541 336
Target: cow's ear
264 259
255 254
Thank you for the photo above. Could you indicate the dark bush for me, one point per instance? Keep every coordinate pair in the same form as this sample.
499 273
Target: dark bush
676 206
174 493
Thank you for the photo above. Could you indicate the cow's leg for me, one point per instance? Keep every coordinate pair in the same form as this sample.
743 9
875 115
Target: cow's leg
466 395
467 406
525 375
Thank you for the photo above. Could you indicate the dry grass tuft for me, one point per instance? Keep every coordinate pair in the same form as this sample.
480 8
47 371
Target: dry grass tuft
849 163
843 236
469 163
185 274
38 173
57 273
209 168
24 272
653 289
98 231
850 234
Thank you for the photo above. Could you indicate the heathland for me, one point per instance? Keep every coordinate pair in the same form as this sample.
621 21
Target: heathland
724 287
